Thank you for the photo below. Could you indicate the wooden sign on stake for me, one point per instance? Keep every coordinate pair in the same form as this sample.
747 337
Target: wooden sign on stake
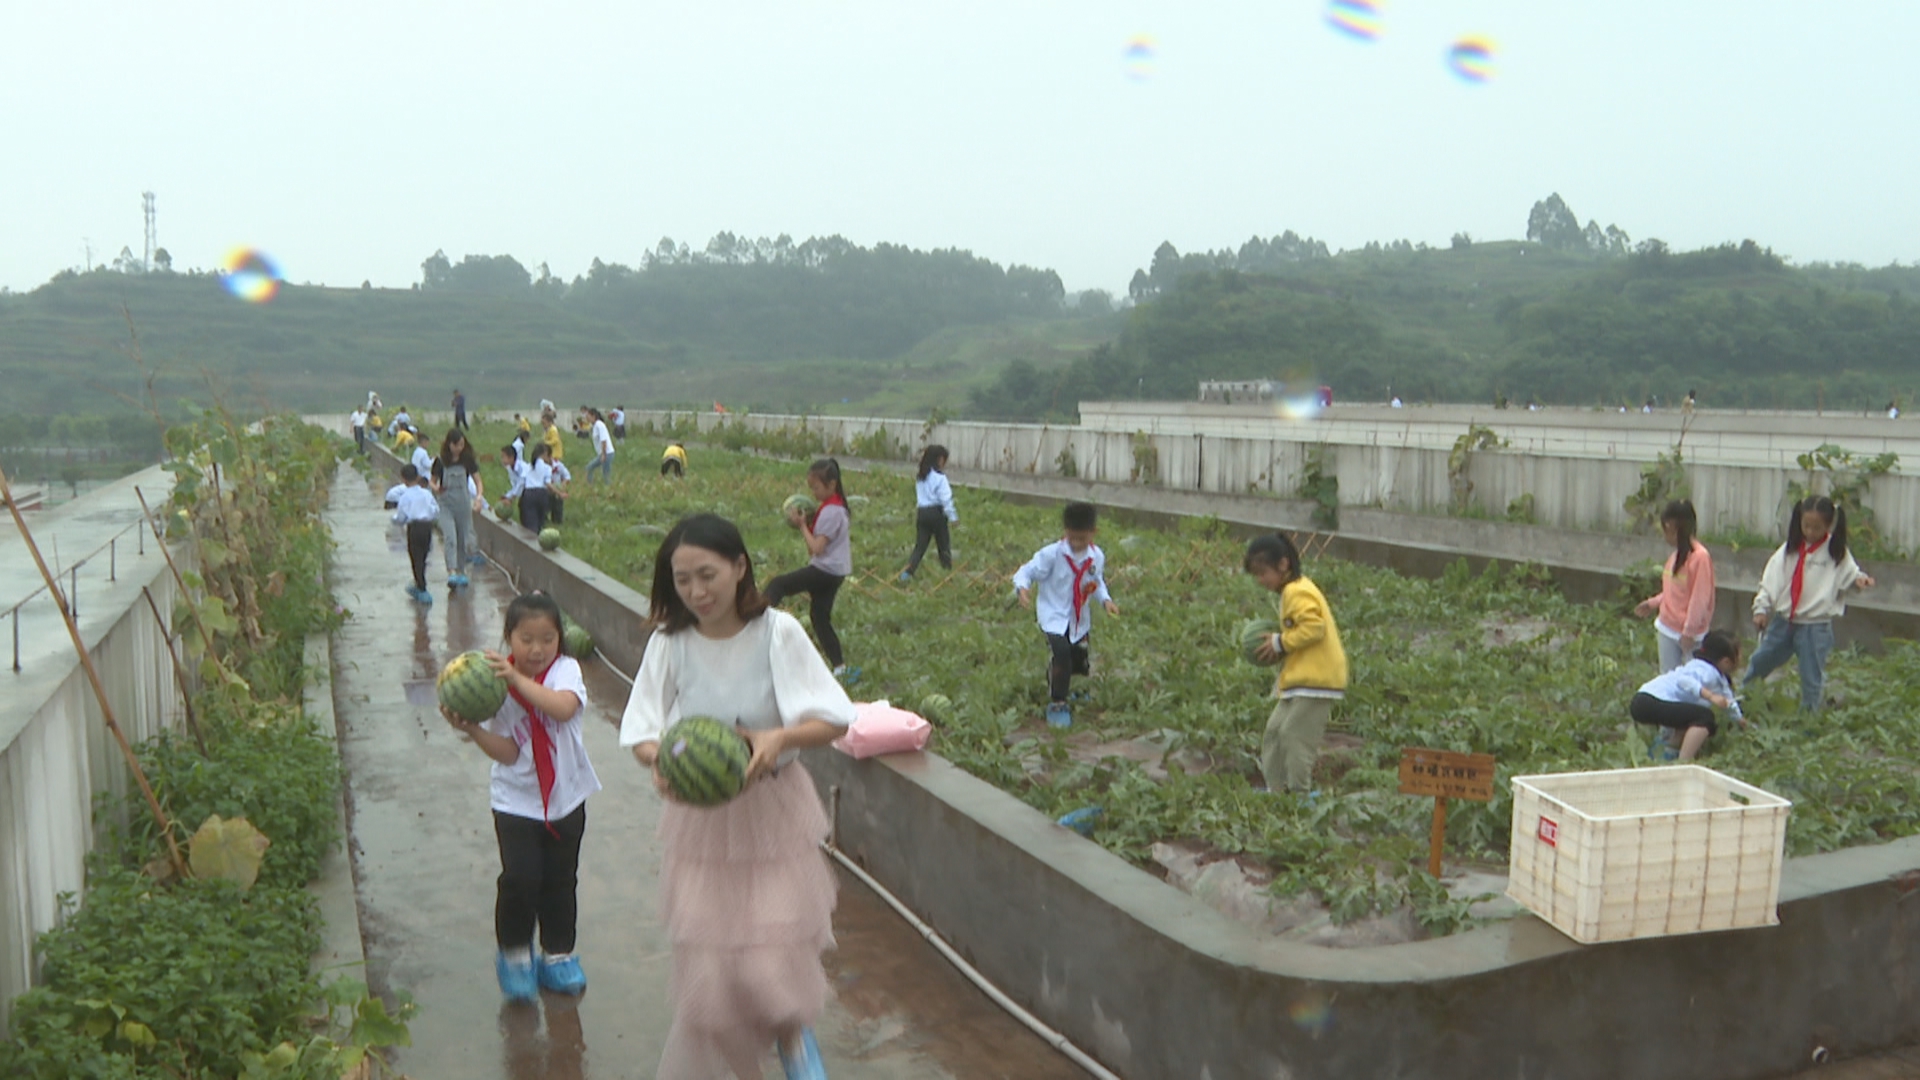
1444 774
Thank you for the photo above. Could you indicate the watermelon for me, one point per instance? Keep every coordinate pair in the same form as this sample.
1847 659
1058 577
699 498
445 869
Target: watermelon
503 510
936 708
469 689
801 504
549 539
1251 633
704 761
575 640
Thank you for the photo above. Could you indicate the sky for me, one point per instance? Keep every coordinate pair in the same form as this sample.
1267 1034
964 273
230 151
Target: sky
350 139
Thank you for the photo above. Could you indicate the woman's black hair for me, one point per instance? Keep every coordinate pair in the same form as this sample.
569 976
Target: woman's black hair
828 470
1836 520
930 459
1271 549
530 605
539 451
512 450
1718 645
709 532
465 460
1079 516
1685 523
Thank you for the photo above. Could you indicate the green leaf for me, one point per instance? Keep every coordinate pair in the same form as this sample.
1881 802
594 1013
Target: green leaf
373 1027
136 1033
227 849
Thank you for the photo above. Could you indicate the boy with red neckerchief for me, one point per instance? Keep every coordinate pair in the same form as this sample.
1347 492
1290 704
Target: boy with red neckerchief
1061 583
540 782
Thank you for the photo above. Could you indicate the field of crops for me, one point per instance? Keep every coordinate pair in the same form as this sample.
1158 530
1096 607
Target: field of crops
1498 663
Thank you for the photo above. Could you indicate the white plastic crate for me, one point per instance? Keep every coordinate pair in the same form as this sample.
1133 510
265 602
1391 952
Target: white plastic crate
1633 853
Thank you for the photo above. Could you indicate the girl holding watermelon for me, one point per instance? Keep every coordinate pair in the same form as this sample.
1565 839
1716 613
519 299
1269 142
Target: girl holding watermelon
747 895
830 551
540 782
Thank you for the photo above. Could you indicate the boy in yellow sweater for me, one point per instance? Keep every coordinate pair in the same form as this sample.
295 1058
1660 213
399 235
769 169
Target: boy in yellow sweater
1313 666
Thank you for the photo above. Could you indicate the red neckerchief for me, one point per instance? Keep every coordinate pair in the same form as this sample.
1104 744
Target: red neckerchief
1082 588
832 500
1799 572
542 744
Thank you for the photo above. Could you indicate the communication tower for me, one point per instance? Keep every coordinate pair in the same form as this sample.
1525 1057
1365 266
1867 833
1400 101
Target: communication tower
146 205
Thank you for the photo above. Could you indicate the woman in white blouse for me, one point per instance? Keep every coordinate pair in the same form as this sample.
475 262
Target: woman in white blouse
748 897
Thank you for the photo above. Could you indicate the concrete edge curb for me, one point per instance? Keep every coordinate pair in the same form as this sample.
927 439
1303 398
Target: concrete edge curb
341 949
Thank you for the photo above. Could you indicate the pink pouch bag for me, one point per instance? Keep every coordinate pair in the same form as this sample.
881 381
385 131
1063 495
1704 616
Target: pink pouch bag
879 728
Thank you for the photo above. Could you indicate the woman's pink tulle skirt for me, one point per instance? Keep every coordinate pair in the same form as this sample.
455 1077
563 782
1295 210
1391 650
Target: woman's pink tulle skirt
748 901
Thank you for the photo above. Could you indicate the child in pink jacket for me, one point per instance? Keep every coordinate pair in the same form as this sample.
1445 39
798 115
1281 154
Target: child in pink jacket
1685 603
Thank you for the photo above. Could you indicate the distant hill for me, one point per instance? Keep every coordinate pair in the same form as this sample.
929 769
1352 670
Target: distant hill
757 324
1519 320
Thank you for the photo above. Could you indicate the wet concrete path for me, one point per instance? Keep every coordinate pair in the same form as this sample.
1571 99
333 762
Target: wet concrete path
425 861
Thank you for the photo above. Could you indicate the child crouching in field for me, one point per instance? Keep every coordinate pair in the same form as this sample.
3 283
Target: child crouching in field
1065 575
1682 700
1313 666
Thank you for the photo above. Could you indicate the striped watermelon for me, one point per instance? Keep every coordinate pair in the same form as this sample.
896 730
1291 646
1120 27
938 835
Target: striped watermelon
575 640
1252 632
704 761
469 689
803 504
936 708
549 539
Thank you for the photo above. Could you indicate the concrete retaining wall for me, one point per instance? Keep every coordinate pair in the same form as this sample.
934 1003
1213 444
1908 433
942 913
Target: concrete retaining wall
1740 488
1157 985
56 756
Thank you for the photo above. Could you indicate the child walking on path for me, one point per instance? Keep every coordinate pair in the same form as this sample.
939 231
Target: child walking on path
416 509
826 532
451 472
933 509
602 441
746 893
1682 700
1685 603
1313 666
1066 574
539 785
358 420
1802 590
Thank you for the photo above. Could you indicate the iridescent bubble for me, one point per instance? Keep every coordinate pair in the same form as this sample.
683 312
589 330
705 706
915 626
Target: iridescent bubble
1137 59
1355 18
1471 59
1312 1013
250 275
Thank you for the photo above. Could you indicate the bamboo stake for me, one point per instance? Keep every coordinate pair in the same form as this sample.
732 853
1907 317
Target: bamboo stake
179 672
93 676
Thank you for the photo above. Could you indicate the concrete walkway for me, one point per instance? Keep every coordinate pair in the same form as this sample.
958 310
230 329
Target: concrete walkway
425 861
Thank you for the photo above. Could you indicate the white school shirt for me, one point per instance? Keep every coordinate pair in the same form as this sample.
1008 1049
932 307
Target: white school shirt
768 675
1823 585
935 491
422 460
1683 685
1050 575
394 493
415 504
516 479
560 473
357 419
400 422
515 789
602 441
618 416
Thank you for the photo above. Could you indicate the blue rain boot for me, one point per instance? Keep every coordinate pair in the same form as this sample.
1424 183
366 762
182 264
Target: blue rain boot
805 1063
562 974
517 979
1058 715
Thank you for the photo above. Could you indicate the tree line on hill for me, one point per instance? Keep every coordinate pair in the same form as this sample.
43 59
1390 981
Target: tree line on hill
1578 315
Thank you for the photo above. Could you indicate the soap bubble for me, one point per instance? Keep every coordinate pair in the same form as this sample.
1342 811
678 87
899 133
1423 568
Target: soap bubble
1355 18
250 275
1471 59
1311 1013
1137 59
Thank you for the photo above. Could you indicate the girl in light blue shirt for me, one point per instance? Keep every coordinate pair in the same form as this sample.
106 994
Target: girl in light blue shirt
1682 700
933 510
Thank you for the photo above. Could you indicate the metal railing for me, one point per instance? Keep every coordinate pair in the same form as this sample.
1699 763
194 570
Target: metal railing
110 549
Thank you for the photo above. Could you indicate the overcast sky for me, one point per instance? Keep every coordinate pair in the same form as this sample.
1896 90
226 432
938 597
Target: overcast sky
350 139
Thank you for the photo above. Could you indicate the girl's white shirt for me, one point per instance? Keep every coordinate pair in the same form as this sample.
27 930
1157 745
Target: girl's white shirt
768 675
1823 585
515 789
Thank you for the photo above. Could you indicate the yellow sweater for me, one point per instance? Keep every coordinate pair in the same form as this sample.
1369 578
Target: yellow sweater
675 453
1314 658
551 436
